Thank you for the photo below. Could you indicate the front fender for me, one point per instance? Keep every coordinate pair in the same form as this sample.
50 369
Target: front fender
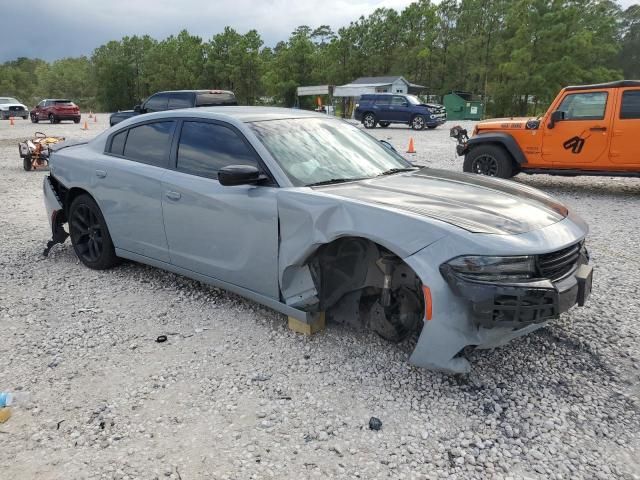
504 139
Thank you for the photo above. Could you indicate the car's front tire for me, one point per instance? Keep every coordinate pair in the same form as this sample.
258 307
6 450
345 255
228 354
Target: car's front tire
34 119
52 119
26 164
89 234
490 160
418 123
369 120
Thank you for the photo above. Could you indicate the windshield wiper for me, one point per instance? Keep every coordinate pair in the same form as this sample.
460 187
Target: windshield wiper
391 171
333 180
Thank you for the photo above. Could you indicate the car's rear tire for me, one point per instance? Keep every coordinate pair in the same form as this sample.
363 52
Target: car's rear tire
34 119
76 120
417 122
490 160
369 120
52 119
24 118
90 235
384 124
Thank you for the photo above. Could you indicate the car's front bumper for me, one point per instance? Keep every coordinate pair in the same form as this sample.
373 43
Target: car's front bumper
436 122
517 305
5 114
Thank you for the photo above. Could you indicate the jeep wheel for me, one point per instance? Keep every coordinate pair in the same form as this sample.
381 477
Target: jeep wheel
369 120
384 124
418 123
490 160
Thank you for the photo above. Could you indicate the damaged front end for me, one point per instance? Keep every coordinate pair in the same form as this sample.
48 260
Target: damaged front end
53 194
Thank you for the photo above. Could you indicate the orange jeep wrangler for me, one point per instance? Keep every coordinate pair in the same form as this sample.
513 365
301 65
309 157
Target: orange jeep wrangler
588 130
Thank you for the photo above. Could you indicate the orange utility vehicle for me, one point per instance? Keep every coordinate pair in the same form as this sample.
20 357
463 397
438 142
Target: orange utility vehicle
588 130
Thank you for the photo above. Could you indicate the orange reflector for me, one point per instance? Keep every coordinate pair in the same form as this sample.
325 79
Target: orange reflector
428 303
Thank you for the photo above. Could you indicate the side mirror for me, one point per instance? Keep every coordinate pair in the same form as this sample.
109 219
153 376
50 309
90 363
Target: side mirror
556 117
239 175
388 145
137 109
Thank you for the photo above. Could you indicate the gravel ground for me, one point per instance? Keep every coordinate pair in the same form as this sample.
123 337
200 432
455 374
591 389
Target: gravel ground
233 394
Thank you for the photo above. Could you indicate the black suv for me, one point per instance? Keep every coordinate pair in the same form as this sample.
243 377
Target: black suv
386 108
174 99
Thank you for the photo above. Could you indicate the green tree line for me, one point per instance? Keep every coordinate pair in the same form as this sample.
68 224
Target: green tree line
515 54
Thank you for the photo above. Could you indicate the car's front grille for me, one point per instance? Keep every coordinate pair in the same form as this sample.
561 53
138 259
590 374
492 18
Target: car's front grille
16 109
556 264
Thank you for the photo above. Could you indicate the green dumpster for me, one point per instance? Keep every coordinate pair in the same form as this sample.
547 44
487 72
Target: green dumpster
462 106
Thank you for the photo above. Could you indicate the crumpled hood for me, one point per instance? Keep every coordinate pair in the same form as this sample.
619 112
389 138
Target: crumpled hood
475 203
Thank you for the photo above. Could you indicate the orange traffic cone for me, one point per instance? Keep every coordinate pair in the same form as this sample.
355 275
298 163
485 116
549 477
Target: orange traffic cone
86 126
11 121
411 148
90 114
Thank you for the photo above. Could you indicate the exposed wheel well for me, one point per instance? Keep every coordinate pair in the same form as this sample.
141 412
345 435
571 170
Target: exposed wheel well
363 283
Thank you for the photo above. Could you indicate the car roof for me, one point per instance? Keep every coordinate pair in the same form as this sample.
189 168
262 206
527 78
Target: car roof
243 114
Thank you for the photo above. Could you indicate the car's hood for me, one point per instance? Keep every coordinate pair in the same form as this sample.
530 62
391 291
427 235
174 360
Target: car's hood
476 203
7 105
503 123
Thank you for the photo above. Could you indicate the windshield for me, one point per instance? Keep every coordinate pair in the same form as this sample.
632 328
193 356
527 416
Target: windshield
8 100
315 150
413 100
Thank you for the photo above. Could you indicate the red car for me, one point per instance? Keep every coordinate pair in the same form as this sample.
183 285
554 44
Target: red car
55 110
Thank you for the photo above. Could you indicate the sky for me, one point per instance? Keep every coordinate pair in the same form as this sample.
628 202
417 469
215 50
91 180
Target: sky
52 29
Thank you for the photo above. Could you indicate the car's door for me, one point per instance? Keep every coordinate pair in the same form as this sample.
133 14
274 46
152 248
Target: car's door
41 110
626 128
128 187
156 103
381 106
228 233
400 110
582 138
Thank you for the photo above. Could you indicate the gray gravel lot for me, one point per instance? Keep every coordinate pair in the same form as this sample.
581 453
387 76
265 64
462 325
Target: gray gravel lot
233 394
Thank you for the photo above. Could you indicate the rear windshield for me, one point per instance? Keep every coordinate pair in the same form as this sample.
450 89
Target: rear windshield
62 102
217 98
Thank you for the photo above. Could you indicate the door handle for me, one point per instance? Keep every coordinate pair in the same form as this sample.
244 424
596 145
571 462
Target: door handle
101 173
173 195
598 129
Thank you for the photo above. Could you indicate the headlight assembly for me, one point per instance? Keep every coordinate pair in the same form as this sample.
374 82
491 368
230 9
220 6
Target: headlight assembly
493 268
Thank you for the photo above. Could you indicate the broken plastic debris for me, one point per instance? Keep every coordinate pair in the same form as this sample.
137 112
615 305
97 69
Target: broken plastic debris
375 423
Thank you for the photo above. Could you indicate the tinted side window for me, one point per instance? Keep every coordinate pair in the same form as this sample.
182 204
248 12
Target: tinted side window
205 148
219 98
584 106
150 143
398 101
630 105
180 100
157 103
117 142
383 101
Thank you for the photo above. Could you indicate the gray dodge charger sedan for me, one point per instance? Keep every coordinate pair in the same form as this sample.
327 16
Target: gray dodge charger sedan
308 214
